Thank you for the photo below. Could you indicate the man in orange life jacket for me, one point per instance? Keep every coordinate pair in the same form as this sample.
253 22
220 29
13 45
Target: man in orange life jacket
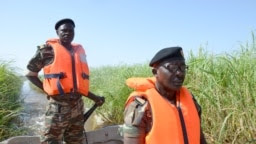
161 110
66 80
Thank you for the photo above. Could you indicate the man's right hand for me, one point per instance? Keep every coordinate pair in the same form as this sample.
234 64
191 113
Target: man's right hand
100 100
33 77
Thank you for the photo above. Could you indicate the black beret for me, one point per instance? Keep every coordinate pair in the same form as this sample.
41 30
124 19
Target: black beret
170 53
62 21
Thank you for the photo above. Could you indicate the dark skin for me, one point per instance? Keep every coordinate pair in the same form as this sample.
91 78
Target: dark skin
66 35
169 82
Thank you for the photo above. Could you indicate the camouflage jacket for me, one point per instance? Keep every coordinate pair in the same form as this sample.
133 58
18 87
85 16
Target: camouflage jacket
43 56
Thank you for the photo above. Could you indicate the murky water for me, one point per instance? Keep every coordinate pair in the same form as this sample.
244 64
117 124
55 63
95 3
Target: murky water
34 109
33 114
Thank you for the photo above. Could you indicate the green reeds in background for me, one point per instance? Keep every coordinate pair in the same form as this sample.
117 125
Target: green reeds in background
10 86
109 81
224 85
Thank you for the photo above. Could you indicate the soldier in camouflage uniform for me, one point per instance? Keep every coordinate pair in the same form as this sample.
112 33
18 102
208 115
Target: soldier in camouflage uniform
64 116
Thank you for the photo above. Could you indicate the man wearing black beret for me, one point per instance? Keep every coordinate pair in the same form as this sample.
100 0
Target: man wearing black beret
161 110
66 80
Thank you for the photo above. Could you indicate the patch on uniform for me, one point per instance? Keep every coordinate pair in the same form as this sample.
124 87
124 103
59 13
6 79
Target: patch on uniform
140 100
83 58
134 112
43 46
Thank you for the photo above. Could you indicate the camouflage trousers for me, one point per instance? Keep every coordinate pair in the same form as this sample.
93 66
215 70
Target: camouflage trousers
64 121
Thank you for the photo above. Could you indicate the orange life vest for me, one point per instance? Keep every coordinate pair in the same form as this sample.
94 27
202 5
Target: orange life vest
68 72
167 126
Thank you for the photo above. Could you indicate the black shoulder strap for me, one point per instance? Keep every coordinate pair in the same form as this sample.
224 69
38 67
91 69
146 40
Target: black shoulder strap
183 125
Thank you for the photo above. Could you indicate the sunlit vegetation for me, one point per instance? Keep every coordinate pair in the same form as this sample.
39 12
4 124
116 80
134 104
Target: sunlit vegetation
10 106
223 84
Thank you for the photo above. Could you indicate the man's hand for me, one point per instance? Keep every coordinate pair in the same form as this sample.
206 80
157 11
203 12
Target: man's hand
33 77
97 99
100 100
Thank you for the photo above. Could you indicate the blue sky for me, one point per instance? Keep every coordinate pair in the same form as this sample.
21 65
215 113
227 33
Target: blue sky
126 31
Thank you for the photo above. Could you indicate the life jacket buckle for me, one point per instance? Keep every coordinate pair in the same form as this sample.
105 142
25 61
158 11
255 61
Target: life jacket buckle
62 75
85 76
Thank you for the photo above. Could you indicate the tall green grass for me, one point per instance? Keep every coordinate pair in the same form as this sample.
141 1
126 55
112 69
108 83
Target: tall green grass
224 85
10 85
109 81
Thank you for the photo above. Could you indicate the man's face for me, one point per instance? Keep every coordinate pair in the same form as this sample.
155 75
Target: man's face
66 33
171 74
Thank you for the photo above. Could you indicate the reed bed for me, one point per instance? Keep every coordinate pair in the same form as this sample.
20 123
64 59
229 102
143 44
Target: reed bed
10 104
223 84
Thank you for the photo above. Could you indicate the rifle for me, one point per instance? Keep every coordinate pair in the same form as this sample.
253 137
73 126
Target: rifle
86 116
89 112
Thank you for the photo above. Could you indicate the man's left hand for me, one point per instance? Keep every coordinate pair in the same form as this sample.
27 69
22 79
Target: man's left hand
99 100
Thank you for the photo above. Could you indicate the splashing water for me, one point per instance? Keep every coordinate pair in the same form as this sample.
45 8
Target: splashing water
35 103
34 109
